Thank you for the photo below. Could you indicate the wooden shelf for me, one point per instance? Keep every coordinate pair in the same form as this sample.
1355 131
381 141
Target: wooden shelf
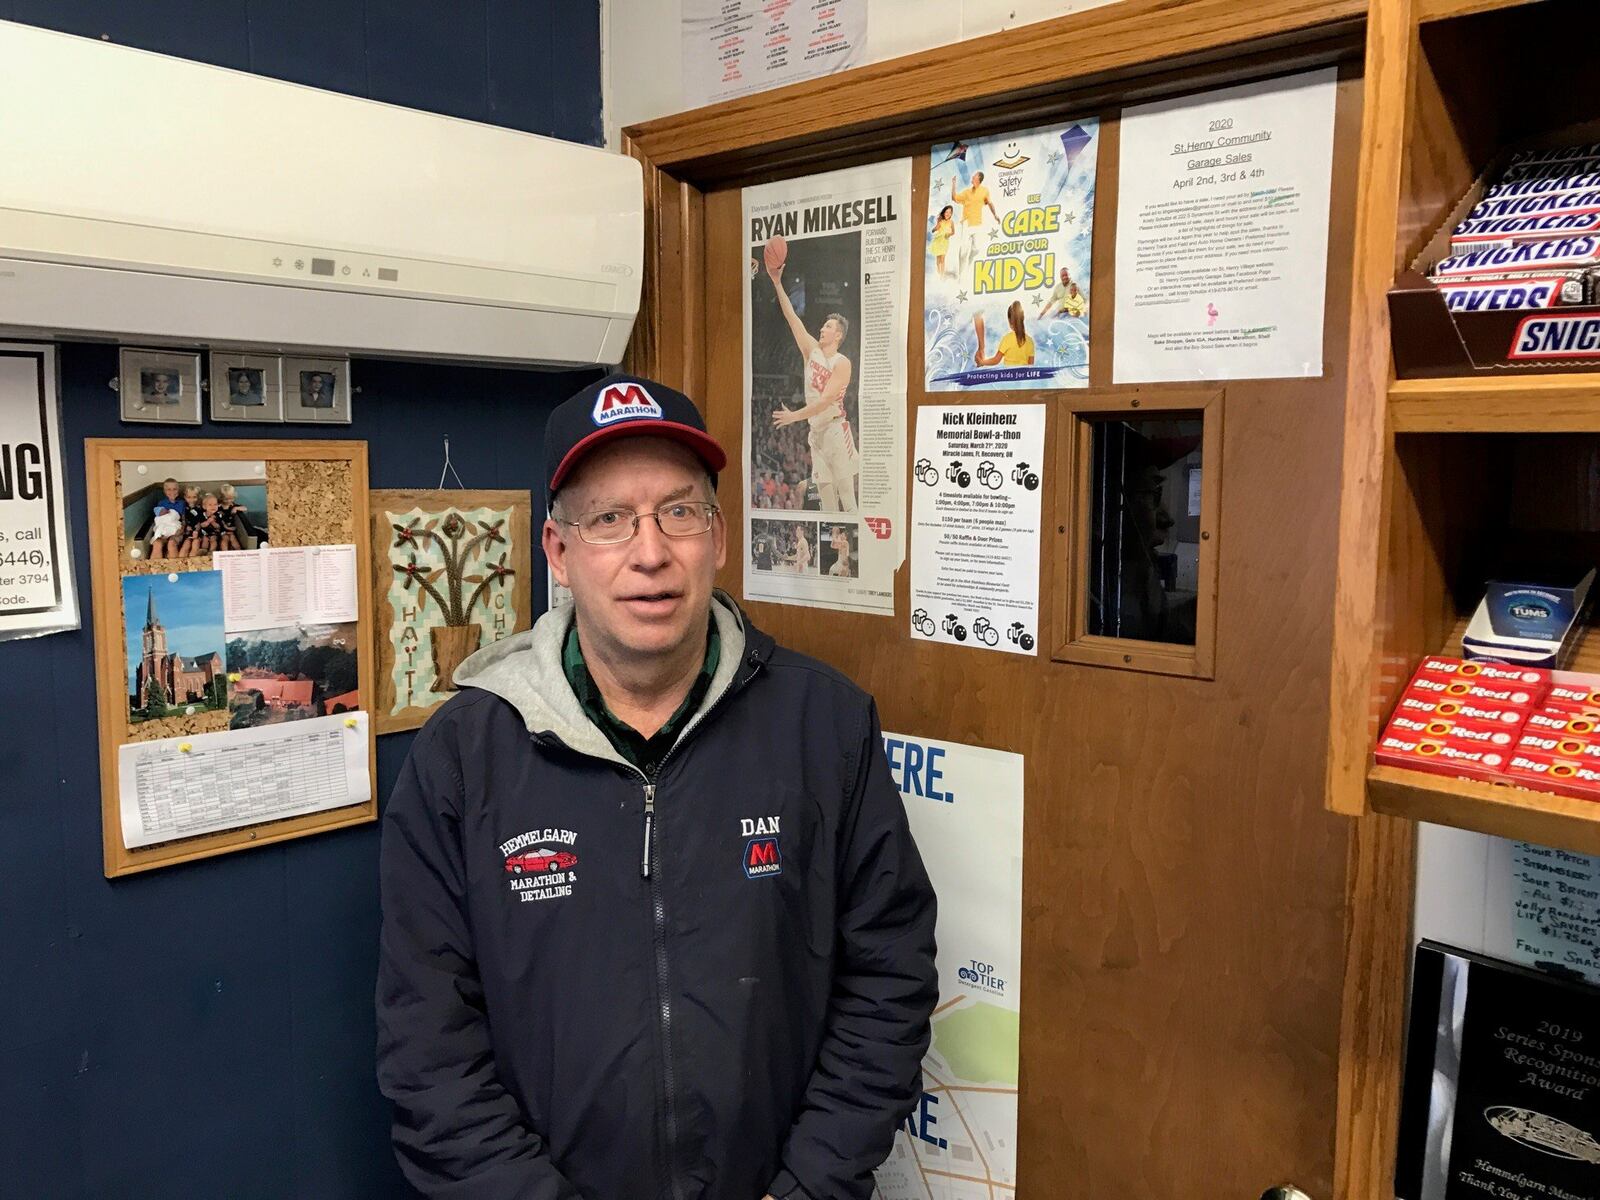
1497 808
1500 403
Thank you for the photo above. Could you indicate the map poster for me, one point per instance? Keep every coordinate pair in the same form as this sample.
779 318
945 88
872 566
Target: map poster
1006 259
964 804
825 321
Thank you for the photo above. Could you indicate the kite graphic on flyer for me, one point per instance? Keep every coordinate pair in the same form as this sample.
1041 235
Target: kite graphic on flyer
804 340
1007 261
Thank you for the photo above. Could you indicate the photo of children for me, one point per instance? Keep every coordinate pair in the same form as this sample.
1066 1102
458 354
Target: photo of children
179 509
804 382
172 627
839 548
292 673
789 546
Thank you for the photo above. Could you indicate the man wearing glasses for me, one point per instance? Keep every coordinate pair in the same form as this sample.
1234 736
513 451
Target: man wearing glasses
640 940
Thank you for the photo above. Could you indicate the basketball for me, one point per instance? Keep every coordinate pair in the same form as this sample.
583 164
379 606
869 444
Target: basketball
776 251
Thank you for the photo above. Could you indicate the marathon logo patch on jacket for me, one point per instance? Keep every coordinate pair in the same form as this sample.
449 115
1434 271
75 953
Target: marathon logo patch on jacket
761 854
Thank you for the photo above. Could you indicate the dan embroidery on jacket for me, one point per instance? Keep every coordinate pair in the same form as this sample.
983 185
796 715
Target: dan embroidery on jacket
761 854
538 864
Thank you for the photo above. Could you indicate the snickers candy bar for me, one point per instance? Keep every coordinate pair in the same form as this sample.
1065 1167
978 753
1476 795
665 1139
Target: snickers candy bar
1548 204
1510 292
1554 154
1551 170
1511 231
1577 253
1541 185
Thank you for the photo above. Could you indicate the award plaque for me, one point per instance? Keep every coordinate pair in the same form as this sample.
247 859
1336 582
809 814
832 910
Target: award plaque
1502 1083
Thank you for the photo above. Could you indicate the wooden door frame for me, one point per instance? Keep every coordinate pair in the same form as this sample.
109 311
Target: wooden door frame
1120 53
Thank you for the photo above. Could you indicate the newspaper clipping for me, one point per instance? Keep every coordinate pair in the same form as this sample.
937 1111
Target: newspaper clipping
825 387
1006 260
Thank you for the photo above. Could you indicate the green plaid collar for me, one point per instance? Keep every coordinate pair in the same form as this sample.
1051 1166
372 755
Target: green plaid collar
644 753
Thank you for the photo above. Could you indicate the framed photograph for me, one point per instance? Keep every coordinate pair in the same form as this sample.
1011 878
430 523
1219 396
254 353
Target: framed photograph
246 387
186 508
316 390
450 575
160 386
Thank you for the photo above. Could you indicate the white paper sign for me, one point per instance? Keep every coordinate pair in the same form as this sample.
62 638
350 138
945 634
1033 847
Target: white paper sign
735 47
1222 233
287 585
975 526
205 782
825 317
37 591
964 804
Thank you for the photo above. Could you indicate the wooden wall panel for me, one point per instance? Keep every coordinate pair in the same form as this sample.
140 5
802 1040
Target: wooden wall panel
1185 898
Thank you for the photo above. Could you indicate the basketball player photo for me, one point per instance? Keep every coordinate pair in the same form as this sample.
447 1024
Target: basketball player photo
805 349
838 559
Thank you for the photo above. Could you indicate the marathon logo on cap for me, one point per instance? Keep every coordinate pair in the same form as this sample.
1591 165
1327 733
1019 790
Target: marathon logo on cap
624 402
1556 335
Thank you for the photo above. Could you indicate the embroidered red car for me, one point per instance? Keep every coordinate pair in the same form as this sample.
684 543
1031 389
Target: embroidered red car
541 860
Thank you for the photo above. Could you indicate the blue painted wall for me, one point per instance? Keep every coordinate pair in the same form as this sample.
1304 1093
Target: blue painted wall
205 1032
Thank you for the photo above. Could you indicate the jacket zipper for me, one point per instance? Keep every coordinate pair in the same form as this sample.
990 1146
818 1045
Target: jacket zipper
659 913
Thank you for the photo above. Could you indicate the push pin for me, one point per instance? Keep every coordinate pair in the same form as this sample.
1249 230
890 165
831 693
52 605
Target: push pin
351 722
186 746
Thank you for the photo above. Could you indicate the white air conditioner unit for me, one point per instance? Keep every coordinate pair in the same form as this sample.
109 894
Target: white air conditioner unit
149 199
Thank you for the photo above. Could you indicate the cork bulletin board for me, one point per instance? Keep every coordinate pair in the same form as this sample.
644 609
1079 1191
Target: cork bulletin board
165 669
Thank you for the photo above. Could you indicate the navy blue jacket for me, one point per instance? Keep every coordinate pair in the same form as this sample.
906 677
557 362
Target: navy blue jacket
710 986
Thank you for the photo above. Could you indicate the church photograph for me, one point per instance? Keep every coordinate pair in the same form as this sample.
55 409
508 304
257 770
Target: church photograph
173 626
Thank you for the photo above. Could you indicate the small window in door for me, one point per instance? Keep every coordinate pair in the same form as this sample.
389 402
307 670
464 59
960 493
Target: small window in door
1144 543
1139 526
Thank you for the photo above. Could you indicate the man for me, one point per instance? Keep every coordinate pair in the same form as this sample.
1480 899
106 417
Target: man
834 462
799 558
640 942
1065 298
839 539
973 198
316 389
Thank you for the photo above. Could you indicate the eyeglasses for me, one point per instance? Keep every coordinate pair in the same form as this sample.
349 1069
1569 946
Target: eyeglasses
608 526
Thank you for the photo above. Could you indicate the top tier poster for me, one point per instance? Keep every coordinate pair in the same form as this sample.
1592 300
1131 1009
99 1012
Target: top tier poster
1008 242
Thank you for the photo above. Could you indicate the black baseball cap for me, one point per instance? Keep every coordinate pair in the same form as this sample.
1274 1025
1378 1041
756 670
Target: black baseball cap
622 406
